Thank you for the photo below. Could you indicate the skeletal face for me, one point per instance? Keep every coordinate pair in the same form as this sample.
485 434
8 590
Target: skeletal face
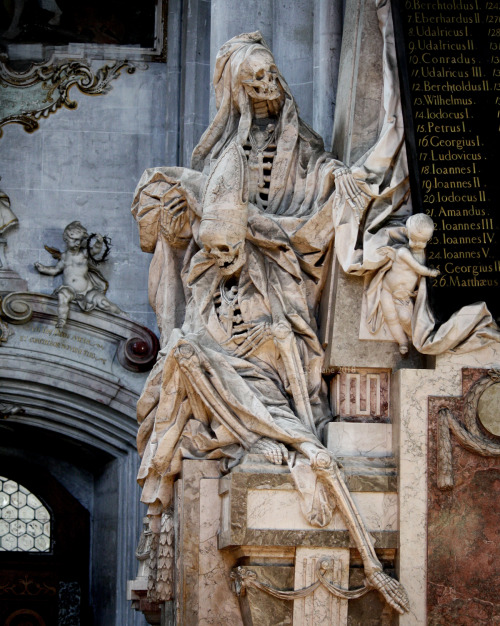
224 244
259 75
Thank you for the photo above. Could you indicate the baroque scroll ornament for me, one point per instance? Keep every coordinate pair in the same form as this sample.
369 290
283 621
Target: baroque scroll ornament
46 89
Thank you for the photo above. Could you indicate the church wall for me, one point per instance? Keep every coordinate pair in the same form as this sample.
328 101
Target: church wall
84 165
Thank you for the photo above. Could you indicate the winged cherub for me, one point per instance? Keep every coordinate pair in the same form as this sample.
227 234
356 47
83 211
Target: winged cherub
82 281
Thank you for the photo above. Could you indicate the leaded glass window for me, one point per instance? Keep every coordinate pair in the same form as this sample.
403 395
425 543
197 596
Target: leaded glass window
24 520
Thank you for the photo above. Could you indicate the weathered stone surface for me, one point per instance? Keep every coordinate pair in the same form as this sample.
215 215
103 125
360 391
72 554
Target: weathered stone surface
203 581
261 609
320 608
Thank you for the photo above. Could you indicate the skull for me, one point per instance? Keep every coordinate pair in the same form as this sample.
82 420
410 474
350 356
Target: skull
225 244
259 75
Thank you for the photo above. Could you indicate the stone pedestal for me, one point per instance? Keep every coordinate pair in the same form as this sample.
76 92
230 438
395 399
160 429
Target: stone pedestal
203 584
411 392
321 608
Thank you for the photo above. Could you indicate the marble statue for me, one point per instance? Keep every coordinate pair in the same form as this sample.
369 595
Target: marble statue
396 281
240 248
82 281
397 295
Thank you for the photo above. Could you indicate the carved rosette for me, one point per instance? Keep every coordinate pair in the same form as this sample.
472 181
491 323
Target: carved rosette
54 83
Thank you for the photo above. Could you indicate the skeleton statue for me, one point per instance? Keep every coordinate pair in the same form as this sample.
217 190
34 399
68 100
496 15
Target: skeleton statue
237 273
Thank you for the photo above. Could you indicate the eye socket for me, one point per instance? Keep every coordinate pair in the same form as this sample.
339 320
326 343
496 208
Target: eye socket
260 75
273 69
224 248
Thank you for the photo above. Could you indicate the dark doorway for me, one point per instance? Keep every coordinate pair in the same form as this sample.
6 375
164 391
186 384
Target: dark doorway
43 584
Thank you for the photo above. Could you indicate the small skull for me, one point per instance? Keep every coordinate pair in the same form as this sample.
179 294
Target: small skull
228 258
225 243
259 75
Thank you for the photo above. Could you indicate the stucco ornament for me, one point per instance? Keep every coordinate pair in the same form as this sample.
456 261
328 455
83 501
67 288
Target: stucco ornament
82 282
240 244
7 217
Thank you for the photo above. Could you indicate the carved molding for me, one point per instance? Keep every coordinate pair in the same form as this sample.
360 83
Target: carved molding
138 354
15 309
49 85
467 430
137 346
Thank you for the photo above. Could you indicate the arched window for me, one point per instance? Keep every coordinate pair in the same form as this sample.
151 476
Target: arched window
24 520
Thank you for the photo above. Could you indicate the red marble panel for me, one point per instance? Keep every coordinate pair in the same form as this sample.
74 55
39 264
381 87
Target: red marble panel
361 395
463 544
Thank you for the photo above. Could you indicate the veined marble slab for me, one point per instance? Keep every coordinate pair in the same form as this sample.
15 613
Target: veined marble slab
359 439
280 509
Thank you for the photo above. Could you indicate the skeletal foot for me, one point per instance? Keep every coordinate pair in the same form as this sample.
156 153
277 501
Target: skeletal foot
60 323
274 451
392 590
403 349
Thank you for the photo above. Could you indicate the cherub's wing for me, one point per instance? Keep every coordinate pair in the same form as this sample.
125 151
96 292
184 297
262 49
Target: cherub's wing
56 254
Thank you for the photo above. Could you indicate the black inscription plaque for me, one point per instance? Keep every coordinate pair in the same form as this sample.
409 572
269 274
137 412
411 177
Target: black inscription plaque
449 63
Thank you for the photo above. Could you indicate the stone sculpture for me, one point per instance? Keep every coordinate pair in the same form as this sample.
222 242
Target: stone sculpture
236 277
396 281
7 216
82 281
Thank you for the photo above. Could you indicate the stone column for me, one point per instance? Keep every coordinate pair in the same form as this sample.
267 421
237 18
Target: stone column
305 39
328 20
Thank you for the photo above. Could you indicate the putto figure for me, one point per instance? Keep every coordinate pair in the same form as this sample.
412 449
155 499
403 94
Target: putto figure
82 281
240 246
397 281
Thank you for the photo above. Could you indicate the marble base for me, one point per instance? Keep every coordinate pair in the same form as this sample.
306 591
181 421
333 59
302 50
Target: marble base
410 397
203 584
355 439
321 608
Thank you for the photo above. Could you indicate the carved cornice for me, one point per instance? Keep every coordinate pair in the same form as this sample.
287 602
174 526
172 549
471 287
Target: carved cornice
49 87
136 345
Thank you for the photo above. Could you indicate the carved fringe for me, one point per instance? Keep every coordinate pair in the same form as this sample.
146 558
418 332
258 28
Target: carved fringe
165 570
153 566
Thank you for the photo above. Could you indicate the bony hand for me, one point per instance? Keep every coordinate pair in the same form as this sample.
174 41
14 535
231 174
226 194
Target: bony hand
37 266
173 218
434 273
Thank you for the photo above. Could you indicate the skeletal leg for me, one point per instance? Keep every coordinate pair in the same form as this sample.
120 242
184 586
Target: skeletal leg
328 472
